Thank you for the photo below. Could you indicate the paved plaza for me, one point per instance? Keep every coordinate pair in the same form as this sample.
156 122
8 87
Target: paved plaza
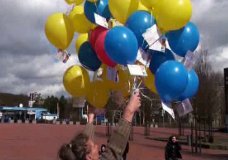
42 141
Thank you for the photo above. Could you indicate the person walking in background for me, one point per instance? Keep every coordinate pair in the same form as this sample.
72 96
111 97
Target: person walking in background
103 148
172 149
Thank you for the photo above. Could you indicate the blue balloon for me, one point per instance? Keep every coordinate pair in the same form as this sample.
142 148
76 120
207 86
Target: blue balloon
192 86
121 45
183 40
157 58
139 22
88 57
100 7
171 80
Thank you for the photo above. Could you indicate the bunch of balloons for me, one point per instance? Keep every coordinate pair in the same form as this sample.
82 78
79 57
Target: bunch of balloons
100 47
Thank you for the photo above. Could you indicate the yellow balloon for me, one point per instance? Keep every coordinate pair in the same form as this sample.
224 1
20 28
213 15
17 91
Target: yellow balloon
125 83
80 40
70 1
149 81
58 30
98 94
76 81
142 7
150 3
122 9
92 1
77 2
79 21
110 84
173 14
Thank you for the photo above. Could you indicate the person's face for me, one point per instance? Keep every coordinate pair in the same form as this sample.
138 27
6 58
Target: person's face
103 148
94 152
174 139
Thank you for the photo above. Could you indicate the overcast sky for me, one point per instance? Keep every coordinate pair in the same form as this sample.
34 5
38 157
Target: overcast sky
27 59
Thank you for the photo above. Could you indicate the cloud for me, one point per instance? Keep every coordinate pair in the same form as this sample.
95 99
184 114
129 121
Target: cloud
22 25
211 18
28 61
40 73
220 56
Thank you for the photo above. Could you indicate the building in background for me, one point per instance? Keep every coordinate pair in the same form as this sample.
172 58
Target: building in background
26 113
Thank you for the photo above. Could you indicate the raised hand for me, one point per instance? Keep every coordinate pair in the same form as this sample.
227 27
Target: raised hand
91 113
132 106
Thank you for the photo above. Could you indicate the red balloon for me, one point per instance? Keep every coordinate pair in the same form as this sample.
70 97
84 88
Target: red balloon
94 35
100 50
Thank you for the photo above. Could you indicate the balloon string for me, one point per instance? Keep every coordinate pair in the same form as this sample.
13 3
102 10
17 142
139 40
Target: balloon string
143 95
137 86
148 60
151 18
129 86
134 84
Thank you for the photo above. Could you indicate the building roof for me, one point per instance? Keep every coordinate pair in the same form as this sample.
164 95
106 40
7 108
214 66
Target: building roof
6 108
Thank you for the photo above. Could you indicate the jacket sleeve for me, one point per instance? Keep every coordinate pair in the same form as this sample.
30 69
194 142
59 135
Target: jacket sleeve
168 150
178 146
89 130
166 153
117 142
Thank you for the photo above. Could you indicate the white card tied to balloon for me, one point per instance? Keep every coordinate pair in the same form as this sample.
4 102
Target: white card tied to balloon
137 70
152 36
62 55
143 57
101 21
98 75
157 46
184 107
190 59
112 74
168 108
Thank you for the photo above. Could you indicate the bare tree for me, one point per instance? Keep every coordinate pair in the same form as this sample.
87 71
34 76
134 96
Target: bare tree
208 103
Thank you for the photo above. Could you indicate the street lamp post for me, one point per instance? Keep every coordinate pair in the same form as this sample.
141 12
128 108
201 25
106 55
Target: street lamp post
163 118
